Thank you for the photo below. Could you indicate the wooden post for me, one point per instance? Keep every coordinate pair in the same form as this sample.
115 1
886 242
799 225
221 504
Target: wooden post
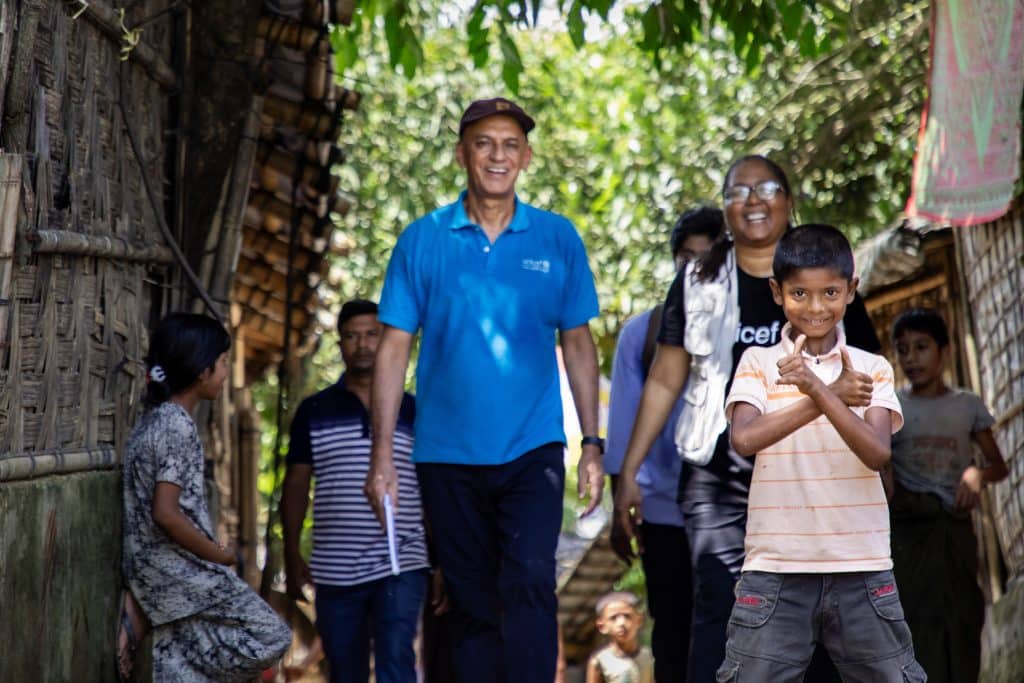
10 194
225 236
20 70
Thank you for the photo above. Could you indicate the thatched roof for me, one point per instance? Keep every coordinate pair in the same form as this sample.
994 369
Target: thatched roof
292 183
893 255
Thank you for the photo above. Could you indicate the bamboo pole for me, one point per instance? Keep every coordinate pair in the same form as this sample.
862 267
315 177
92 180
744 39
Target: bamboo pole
285 165
265 202
329 11
313 118
231 214
105 18
261 245
10 193
290 33
38 464
101 246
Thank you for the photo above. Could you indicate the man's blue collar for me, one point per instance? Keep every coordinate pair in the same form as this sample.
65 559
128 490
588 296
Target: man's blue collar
460 219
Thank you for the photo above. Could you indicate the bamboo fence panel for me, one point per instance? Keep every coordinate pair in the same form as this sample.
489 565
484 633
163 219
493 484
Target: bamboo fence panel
993 263
86 238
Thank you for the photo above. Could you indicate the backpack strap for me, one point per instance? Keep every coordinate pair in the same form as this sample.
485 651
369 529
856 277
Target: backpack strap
651 340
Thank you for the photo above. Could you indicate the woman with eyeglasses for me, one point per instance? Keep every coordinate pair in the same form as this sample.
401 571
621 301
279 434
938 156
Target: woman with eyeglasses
758 205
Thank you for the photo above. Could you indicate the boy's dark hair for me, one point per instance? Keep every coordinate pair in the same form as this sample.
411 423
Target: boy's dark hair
701 220
616 596
812 245
351 309
925 320
182 346
715 259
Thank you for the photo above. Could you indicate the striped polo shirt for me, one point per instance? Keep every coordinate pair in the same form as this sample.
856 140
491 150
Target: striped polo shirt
814 507
331 432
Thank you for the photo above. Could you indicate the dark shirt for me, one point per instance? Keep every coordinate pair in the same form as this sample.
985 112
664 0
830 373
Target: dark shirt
726 478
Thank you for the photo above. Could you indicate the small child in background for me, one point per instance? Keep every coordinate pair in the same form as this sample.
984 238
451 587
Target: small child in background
936 486
624 659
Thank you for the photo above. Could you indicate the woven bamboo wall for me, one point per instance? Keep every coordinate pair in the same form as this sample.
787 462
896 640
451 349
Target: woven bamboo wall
71 368
993 261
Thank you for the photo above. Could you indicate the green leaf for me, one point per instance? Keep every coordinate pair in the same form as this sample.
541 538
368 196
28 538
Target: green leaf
479 39
792 18
752 58
510 74
601 7
408 61
509 51
807 41
575 23
651 24
412 54
393 33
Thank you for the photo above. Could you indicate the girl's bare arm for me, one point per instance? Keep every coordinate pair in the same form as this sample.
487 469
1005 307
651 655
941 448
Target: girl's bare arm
169 517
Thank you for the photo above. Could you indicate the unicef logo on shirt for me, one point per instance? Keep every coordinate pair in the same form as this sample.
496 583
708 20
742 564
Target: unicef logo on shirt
539 265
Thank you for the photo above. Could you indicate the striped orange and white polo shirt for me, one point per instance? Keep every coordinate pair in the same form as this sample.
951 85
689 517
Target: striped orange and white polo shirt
814 507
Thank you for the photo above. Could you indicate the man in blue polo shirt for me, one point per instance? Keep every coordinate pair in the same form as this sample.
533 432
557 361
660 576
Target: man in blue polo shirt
489 282
359 597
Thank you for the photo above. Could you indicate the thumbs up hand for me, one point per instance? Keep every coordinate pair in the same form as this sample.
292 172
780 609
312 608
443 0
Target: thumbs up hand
793 369
852 387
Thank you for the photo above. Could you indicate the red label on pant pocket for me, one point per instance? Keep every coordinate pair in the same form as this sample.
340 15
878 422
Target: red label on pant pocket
884 590
750 600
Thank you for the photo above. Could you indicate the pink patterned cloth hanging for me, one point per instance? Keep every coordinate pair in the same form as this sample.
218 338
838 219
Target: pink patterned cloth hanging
968 152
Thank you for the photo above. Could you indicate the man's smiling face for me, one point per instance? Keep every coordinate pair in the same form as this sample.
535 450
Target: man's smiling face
493 151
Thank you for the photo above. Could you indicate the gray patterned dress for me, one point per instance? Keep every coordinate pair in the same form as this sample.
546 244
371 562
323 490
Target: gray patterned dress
208 625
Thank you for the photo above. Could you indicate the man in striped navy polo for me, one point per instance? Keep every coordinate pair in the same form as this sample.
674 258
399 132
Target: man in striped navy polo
358 597
490 283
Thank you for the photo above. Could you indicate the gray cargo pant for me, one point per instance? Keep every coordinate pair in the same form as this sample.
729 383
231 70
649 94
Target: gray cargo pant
857 616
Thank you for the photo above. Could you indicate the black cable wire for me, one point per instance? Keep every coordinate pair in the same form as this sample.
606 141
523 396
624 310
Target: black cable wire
179 256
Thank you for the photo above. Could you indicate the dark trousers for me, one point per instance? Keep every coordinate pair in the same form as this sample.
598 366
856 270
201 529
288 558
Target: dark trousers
857 616
667 571
495 528
715 532
386 610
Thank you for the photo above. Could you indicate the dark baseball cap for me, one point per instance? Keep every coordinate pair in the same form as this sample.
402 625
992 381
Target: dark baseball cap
481 109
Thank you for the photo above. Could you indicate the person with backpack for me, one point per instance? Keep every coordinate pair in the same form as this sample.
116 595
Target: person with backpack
665 557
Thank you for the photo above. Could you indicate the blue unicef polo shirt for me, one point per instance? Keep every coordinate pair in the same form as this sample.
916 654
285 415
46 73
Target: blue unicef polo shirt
487 378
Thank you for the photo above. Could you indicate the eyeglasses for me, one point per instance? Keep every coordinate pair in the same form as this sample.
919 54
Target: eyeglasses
765 190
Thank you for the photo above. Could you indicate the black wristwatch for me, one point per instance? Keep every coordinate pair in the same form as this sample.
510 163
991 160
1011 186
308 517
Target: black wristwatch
593 441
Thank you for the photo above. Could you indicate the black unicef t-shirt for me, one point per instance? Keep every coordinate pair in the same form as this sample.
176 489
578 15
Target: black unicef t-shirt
726 478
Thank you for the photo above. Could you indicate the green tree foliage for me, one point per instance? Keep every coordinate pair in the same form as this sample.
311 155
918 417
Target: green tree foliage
622 147
666 26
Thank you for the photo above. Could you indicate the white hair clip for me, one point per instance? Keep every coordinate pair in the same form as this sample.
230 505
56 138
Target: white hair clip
157 374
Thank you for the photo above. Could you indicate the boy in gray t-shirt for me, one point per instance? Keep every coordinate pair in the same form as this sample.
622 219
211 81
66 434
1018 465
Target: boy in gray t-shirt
936 486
